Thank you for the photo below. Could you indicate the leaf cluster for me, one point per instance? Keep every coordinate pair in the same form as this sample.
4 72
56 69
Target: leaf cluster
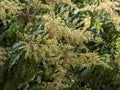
59 44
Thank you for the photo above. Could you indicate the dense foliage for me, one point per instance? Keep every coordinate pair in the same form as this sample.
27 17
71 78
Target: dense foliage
59 44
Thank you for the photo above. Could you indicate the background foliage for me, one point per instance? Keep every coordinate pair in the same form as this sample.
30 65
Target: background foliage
59 44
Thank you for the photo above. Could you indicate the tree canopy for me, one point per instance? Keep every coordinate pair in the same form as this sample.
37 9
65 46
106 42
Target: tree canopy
59 44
